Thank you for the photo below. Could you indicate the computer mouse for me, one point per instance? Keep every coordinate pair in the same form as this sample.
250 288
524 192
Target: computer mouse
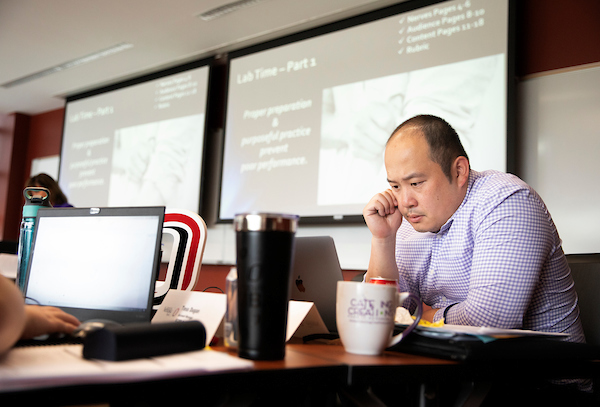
92 325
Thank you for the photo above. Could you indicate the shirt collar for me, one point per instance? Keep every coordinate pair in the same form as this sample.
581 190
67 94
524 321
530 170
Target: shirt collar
472 176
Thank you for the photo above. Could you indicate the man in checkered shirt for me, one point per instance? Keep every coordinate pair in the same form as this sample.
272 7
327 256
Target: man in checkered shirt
479 248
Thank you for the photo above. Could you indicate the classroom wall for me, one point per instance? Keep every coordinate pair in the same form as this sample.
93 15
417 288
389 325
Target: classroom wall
561 151
548 39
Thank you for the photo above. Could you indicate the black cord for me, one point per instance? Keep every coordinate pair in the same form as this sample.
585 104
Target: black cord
36 302
215 287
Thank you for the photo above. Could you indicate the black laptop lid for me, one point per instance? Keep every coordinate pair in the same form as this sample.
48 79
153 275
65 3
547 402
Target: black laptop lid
96 263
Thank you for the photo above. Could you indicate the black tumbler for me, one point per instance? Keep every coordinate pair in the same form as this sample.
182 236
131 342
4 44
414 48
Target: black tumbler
264 247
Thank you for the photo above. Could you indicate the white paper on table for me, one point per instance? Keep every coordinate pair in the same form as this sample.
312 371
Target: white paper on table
487 331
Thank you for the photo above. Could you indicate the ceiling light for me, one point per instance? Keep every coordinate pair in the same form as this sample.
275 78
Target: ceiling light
70 64
226 9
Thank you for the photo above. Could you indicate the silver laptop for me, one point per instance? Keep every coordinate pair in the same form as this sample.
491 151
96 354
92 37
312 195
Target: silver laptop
315 273
96 263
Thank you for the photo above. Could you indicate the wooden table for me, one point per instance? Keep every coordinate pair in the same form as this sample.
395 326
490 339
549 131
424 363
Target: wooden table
311 374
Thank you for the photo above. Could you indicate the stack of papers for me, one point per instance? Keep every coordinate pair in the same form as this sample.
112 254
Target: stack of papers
481 331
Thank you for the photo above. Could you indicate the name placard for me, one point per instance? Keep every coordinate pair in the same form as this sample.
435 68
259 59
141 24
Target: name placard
304 319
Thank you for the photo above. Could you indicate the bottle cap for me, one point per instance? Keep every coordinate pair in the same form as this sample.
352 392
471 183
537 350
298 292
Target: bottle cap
35 198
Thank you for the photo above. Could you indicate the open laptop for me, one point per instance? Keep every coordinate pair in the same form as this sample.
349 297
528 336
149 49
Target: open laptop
315 273
96 263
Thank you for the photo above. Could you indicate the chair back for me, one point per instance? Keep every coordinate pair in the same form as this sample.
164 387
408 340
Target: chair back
186 231
585 269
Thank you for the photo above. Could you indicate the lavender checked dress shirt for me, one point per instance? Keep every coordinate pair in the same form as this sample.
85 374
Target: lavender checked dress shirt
497 262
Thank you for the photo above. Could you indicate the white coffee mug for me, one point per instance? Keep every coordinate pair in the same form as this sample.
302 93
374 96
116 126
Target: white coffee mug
365 316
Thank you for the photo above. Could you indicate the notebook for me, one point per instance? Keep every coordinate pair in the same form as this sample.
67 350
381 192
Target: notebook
466 347
96 263
315 273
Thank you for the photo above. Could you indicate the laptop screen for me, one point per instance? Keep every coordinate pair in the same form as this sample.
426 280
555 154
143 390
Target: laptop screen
96 263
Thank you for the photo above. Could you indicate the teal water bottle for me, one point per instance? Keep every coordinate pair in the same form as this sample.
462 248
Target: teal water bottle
35 198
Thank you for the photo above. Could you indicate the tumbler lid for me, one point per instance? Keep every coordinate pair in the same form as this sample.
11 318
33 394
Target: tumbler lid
251 222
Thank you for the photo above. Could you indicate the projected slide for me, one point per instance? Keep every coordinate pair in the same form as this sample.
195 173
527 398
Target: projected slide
307 122
139 145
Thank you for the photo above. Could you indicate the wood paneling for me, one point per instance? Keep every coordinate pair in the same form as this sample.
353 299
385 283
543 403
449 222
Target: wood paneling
45 136
556 34
212 277
14 133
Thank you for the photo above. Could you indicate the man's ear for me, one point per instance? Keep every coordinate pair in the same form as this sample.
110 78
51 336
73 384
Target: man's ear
461 170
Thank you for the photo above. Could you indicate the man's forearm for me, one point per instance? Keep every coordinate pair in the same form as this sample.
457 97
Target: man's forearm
382 262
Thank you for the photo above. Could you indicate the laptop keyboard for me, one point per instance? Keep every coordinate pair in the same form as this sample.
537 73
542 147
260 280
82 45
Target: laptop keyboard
51 340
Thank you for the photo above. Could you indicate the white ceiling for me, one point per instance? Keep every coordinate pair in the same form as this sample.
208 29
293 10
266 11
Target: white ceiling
38 34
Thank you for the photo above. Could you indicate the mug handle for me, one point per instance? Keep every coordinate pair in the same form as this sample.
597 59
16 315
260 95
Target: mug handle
401 298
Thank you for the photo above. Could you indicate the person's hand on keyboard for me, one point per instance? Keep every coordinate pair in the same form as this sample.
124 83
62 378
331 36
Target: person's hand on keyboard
41 320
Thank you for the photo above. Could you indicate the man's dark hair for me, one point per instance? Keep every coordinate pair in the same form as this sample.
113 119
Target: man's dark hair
443 141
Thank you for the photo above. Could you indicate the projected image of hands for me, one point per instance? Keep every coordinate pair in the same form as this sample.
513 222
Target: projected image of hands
358 118
157 163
